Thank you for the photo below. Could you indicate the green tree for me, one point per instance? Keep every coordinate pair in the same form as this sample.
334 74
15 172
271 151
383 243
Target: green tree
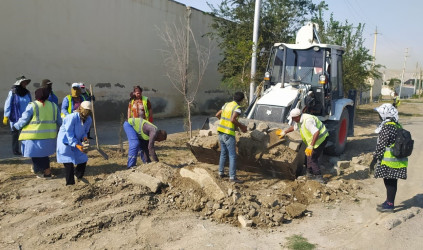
233 29
357 60
394 82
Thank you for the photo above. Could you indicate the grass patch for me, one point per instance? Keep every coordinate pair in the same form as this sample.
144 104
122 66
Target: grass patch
298 242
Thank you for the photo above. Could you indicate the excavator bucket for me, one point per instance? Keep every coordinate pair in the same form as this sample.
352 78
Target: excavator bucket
259 150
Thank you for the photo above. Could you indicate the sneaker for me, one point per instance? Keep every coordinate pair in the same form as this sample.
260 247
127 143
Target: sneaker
235 180
309 175
386 207
83 180
381 205
43 176
222 175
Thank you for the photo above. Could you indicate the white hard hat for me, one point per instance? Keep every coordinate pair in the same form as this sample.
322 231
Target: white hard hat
86 105
295 112
75 85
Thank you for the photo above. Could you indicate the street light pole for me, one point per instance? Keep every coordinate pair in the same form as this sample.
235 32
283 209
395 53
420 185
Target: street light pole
403 71
254 54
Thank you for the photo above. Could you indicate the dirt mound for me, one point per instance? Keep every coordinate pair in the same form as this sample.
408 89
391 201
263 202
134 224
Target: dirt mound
113 197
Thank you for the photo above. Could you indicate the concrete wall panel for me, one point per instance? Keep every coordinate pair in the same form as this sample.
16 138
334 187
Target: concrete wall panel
111 44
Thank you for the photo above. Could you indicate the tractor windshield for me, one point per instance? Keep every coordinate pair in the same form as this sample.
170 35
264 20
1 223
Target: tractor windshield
303 65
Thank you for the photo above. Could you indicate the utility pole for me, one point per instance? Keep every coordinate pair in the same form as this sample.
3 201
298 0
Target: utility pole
254 55
373 65
403 71
415 78
188 15
420 82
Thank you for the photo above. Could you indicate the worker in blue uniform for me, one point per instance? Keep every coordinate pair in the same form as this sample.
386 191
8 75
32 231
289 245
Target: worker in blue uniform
70 142
39 123
15 104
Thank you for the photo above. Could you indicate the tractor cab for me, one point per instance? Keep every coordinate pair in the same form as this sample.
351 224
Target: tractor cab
313 69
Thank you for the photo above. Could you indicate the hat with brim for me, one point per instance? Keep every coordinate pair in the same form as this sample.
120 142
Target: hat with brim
86 105
45 83
22 80
295 112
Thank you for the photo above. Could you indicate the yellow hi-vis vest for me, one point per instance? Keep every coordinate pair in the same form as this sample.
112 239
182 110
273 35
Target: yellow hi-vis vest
144 103
137 124
389 159
43 123
225 125
307 136
70 106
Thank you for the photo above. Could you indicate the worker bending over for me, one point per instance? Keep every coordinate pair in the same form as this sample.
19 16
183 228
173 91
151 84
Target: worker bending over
314 134
141 137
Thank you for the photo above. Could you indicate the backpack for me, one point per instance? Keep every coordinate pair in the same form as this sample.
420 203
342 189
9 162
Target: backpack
403 146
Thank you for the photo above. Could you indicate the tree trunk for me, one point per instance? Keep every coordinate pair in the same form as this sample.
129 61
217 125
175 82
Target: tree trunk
189 119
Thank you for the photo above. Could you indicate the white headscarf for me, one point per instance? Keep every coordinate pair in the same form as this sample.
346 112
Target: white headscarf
388 113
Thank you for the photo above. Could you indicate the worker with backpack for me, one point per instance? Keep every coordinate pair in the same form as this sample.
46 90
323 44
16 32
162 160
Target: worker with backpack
394 145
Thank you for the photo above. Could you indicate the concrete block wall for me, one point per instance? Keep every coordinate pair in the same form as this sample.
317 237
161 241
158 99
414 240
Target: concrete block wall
111 44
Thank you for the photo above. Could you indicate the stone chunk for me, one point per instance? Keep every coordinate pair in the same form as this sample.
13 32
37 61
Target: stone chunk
294 146
221 213
205 133
145 180
258 136
358 167
205 180
343 164
277 217
244 222
263 127
295 209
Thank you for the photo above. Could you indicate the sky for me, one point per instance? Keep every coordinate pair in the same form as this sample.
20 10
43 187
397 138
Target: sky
398 28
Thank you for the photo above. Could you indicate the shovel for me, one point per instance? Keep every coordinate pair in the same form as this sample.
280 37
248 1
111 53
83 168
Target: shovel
105 156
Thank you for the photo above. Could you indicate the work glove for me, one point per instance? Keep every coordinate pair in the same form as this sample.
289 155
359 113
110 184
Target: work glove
5 120
309 150
85 144
80 148
281 133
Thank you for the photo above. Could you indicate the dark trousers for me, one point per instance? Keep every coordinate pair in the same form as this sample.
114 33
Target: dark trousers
313 160
70 172
145 153
391 189
40 164
15 142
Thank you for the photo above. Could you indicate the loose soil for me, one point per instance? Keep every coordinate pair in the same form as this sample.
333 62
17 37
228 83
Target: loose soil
109 211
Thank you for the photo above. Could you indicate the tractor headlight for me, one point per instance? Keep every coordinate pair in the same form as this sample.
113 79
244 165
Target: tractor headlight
323 79
267 76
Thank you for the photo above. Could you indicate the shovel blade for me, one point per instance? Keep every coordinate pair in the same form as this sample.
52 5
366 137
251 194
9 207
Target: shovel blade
274 139
105 156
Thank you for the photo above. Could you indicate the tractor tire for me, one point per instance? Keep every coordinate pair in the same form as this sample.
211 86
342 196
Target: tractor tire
338 135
